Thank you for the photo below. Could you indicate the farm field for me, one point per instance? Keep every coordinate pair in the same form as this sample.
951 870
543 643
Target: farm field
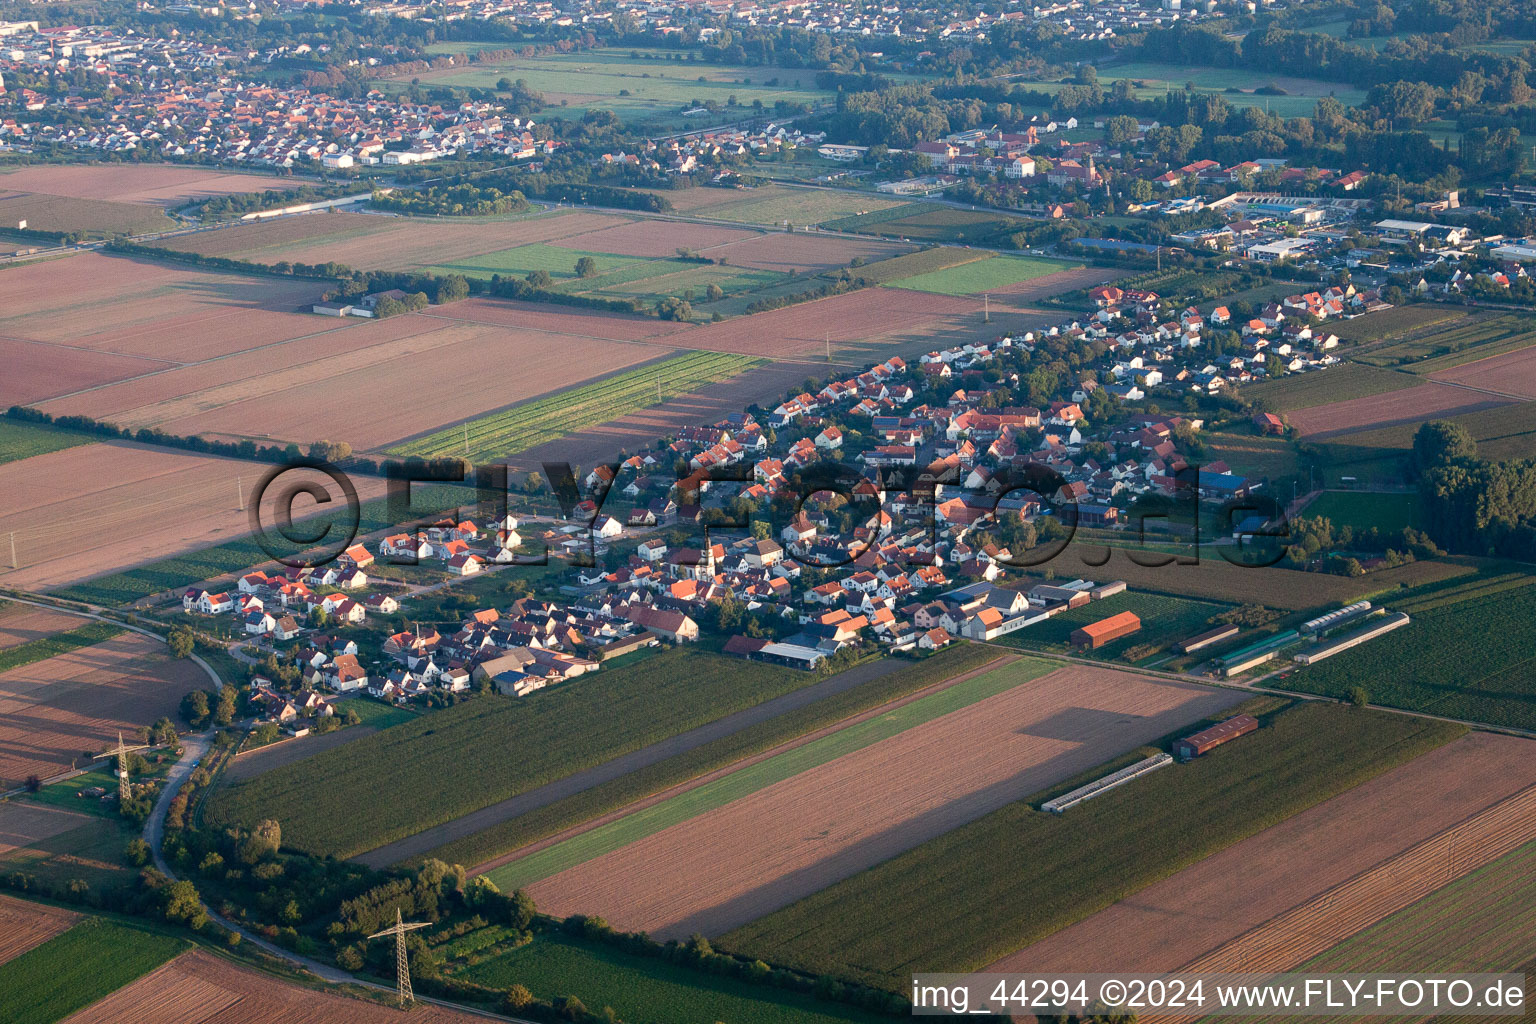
944 224
1235 85
1164 621
1017 875
99 508
923 261
1283 866
800 253
74 969
733 864
23 440
52 711
781 205
1443 663
1399 322
1408 406
780 725
96 218
745 781
1340 383
83 633
637 85
57 843
981 276
1513 373
547 419
23 624
200 986
1502 431
24 925
167 185
1389 513
375 242
1442 344
566 729
654 239
1254 456
1294 937
645 990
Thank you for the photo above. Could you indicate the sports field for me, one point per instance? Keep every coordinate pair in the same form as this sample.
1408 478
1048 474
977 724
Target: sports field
1389 513
981 275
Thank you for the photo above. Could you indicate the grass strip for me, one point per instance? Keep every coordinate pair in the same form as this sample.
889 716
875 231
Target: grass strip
599 800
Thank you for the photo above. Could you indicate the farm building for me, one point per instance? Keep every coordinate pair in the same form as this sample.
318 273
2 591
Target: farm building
1098 786
1104 590
1323 623
1097 634
1200 641
1328 649
1205 740
1257 653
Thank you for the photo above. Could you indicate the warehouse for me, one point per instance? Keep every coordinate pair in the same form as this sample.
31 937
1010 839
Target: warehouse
1107 783
1097 634
1377 628
1323 623
1201 641
1257 653
1207 739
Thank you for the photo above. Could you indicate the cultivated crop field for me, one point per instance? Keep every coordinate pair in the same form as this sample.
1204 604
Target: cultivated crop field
24 925
95 217
80 633
202 987
851 696
646 990
1404 407
924 261
72 970
1513 373
1277 869
23 440
168 185
654 239
1340 383
1444 344
799 253
752 856
1502 431
1398 322
945 225
559 731
546 419
23 624
1473 659
54 710
1017 875
780 205
981 276
748 779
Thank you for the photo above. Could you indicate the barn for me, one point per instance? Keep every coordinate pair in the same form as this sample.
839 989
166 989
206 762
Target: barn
1097 634
1199 743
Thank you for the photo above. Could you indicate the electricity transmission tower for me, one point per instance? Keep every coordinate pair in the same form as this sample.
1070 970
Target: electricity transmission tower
121 751
402 968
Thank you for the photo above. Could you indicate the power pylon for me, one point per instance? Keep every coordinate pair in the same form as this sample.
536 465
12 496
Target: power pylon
121 752
402 968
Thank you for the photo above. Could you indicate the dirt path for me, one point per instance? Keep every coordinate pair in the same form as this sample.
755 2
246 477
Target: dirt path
735 766
485 817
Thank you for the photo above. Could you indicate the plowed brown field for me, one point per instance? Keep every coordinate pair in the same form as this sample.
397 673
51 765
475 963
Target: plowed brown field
99 508
24 925
199 987
1513 373
569 320
55 710
733 864
20 624
36 372
1408 405
1223 896
159 184
655 238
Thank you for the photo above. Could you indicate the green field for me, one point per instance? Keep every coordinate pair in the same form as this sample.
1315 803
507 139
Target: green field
489 749
959 902
1332 384
650 820
1504 432
754 739
797 207
24 440
645 990
1397 322
1445 344
924 261
1472 659
94 218
1154 80
637 85
1255 456
1361 510
59 643
943 224
73 970
522 260
982 275
523 426
1164 620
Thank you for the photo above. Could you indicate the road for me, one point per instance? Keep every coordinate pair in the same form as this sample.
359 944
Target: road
477 821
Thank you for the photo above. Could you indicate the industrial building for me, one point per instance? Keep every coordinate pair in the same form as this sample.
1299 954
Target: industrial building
1097 634
1107 783
1329 648
1201 641
1207 739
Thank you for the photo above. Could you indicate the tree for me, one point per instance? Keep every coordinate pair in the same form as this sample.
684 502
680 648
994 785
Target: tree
533 483
330 451
586 267
673 308
1358 696
540 279
180 642
180 903
261 843
1441 442
714 293
194 708
136 852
